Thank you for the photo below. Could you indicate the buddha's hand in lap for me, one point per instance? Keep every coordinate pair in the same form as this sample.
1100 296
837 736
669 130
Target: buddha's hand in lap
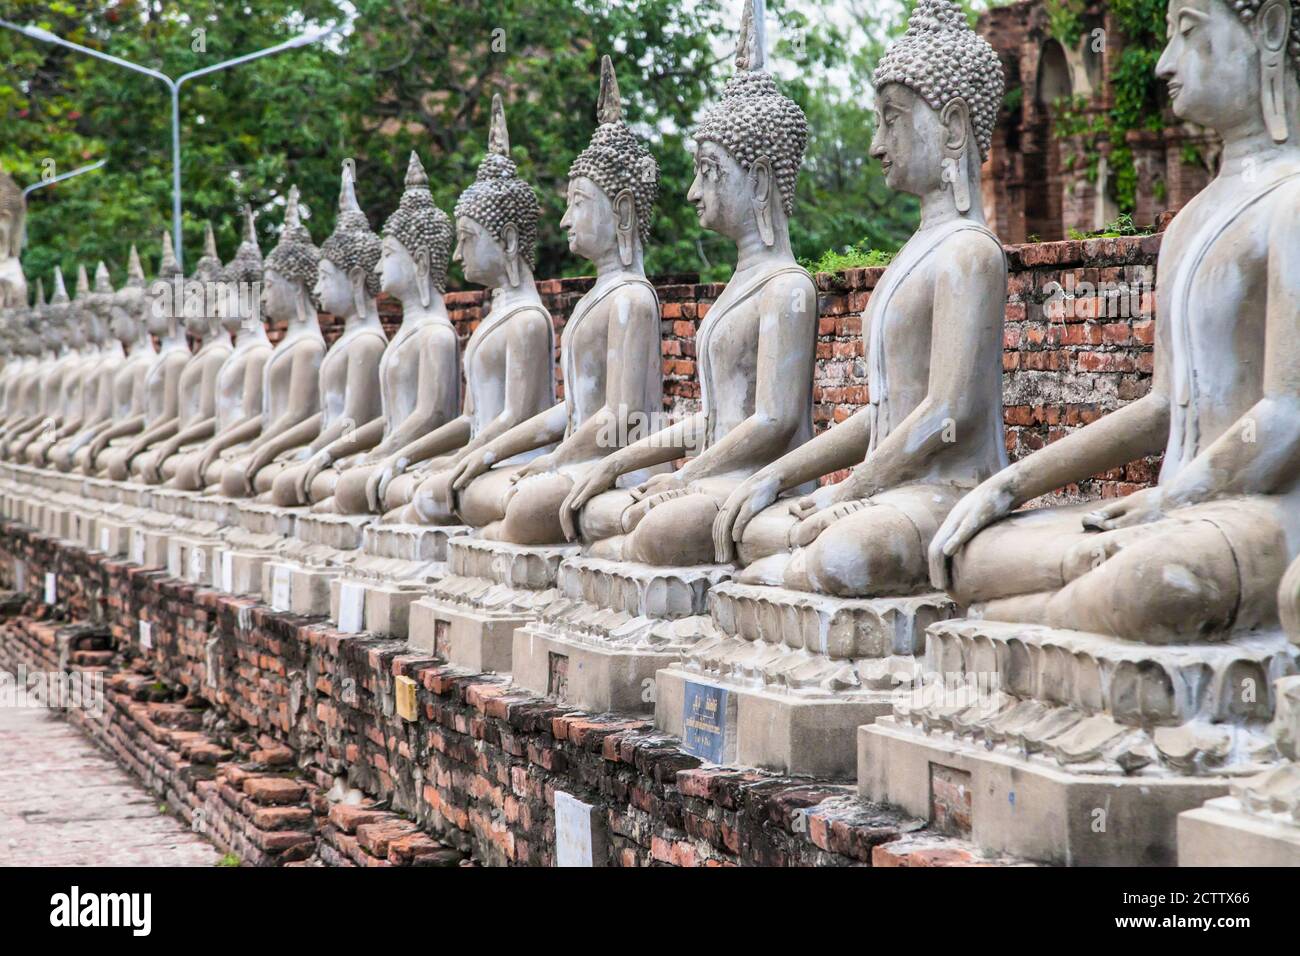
988 502
596 479
810 528
753 495
1141 507
315 465
657 485
471 466
541 465
379 480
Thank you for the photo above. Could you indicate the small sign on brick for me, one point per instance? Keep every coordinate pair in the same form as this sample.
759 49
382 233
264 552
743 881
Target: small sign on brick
407 703
709 723
580 837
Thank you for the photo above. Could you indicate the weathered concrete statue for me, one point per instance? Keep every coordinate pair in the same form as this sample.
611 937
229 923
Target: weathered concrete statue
1200 555
13 215
349 375
755 346
45 384
136 435
238 396
79 380
291 378
97 400
198 381
419 375
1125 655
509 359
128 310
609 350
933 428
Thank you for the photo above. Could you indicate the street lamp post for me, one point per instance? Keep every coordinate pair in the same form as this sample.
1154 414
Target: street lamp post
174 86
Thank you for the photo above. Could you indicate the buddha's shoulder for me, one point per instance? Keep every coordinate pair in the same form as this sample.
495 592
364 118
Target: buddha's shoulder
634 293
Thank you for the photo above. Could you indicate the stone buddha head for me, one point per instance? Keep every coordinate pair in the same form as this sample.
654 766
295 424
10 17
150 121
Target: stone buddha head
938 92
416 242
496 217
347 283
129 302
163 306
1261 41
201 291
749 148
289 272
79 312
13 215
100 306
239 278
612 184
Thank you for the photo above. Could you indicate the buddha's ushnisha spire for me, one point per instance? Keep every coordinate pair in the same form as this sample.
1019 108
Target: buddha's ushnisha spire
416 177
103 282
83 281
168 268
134 269
750 52
498 133
609 105
60 296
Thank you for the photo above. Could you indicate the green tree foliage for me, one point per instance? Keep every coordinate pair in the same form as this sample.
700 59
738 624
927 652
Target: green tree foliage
415 74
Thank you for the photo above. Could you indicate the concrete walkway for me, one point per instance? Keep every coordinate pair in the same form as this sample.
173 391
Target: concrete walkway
64 803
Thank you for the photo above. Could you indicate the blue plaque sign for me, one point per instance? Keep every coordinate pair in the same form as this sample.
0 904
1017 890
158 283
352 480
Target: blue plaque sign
709 722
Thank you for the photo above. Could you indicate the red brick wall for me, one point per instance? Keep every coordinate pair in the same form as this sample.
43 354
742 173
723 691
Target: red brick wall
1056 375
243 719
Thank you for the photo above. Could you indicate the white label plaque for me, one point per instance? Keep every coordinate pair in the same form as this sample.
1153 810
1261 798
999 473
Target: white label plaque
20 575
105 539
228 572
137 546
197 565
51 588
280 587
579 838
146 635
352 604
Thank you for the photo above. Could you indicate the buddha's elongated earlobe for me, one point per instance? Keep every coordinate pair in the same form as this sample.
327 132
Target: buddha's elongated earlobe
956 163
625 226
1273 29
761 178
357 278
422 280
510 237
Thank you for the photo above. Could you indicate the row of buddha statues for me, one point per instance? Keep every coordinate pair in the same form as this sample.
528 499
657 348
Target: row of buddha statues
930 503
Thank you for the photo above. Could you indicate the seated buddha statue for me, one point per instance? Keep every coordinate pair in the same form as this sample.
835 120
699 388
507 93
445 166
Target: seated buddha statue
44 389
509 358
198 381
238 396
13 215
419 374
933 340
127 310
1199 555
346 286
755 346
97 399
131 438
609 349
291 376
79 381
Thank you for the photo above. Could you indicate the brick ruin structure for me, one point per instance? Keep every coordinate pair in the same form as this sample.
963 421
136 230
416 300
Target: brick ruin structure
1037 183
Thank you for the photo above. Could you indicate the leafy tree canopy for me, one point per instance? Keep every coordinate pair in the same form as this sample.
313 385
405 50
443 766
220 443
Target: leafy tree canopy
413 74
